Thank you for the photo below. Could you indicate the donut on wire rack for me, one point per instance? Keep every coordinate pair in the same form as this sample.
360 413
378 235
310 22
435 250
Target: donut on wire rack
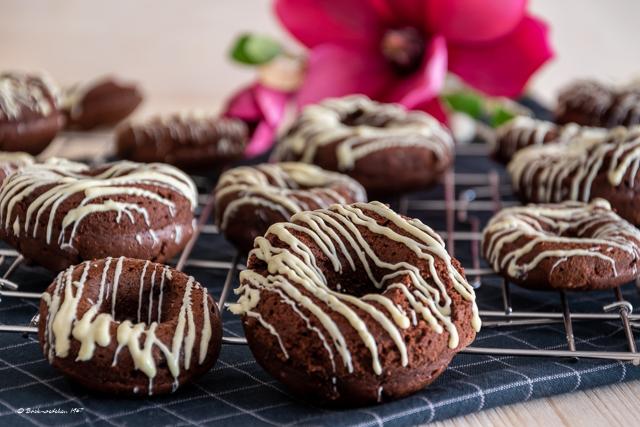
591 103
582 169
354 304
193 141
129 326
564 246
384 147
60 213
251 198
525 131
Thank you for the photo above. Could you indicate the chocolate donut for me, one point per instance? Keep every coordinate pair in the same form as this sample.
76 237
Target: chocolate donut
525 131
251 198
354 304
591 103
102 102
582 169
129 326
192 141
29 116
384 147
60 213
570 246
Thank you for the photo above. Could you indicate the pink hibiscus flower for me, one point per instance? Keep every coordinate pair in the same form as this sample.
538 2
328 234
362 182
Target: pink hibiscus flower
400 50
262 109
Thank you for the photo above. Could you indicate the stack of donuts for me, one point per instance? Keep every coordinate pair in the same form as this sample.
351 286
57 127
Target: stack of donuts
579 178
342 299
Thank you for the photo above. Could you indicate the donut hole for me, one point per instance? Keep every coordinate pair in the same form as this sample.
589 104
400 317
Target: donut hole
563 229
361 117
356 281
143 307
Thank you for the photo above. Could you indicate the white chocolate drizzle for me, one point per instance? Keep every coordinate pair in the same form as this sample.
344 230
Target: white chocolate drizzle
102 191
525 131
190 128
12 161
586 95
380 127
337 232
24 92
557 172
559 231
96 326
286 188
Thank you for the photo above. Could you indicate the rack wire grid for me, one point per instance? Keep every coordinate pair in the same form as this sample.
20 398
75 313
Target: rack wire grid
457 208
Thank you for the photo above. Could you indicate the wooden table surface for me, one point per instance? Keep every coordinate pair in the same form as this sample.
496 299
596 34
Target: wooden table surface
177 50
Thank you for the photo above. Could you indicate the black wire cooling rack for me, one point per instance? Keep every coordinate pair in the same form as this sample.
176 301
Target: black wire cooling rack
457 209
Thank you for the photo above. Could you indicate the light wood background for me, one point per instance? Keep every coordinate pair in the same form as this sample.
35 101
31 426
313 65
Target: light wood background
178 51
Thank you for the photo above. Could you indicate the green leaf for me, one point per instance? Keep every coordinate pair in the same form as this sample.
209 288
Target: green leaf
500 116
466 102
255 49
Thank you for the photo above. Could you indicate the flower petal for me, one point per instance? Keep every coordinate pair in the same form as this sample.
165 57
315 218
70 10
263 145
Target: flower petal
272 104
401 13
346 22
337 71
474 20
243 105
261 140
502 67
425 83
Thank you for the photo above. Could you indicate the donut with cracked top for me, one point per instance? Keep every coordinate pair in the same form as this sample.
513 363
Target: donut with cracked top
354 304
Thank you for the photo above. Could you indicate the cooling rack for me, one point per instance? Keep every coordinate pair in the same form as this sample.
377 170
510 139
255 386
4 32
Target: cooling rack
457 209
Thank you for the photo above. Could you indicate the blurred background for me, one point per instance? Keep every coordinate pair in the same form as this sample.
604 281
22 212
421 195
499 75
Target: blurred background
178 50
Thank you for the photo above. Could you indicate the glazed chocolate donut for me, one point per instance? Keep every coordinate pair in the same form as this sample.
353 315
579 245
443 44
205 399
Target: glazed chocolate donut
591 103
582 169
570 246
29 116
251 198
129 326
102 102
192 141
354 304
525 131
384 147
61 213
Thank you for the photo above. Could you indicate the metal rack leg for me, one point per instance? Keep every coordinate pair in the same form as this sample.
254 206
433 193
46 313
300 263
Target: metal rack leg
228 280
568 326
450 206
506 297
624 309
202 220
